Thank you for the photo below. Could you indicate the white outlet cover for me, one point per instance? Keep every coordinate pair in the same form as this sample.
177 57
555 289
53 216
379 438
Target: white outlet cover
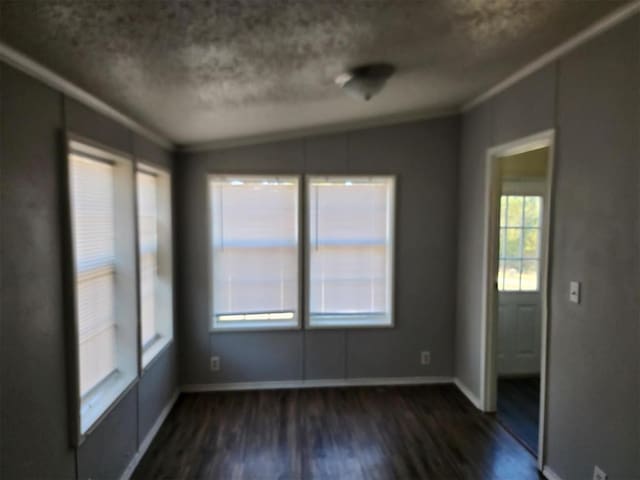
215 364
425 357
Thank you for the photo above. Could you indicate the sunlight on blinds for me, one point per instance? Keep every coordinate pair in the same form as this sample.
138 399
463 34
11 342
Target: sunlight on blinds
147 184
92 200
350 249
254 222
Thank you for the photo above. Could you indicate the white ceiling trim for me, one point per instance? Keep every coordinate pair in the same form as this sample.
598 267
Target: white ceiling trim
32 68
341 127
605 23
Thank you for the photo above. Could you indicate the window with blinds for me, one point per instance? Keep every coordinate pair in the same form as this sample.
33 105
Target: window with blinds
155 260
147 187
350 250
255 256
102 212
92 195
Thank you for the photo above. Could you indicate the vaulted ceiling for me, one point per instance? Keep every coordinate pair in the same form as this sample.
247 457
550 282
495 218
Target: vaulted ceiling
207 70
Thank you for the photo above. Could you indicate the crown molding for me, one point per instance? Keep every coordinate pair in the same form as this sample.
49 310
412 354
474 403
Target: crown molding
602 25
335 128
25 64
21 62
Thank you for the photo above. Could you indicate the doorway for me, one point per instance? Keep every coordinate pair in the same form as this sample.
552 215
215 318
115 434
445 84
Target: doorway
519 315
516 267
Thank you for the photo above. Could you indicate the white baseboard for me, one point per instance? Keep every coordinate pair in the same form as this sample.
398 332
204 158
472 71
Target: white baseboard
550 474
468 393
144 446
338 382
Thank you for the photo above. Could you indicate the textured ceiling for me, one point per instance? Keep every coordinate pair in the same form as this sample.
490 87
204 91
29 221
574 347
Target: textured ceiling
198 70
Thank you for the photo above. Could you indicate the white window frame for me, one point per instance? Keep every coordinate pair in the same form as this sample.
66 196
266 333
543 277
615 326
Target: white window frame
355 321
88 410
257 325
164 287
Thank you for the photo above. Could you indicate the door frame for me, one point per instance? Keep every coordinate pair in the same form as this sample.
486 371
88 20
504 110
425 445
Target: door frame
489 384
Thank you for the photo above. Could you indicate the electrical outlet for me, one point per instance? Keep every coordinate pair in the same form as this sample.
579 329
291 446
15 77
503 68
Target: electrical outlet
425 357
598 474
215 364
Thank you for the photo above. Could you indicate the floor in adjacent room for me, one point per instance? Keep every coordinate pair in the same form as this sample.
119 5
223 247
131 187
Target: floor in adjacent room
334 433
519 408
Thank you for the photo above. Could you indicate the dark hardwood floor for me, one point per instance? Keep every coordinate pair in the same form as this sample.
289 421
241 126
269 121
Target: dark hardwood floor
519 408
411 432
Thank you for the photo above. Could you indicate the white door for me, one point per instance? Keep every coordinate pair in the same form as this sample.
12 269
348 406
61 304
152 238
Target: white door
519 333
519 281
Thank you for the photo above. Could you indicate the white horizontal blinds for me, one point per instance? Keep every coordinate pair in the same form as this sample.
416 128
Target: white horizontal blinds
520 243
147 188
350 248
92 199
255 249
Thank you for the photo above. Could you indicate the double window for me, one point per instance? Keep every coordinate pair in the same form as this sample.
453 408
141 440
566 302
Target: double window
256 258
103 226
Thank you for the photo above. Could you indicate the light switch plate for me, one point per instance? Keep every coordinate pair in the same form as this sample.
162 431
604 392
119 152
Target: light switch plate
574 292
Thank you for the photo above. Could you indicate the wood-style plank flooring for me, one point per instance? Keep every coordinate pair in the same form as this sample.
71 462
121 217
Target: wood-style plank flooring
409 432
519 408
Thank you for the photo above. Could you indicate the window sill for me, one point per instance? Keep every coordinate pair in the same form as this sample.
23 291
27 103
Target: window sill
513 292
154 349
349 321
97 403
253 326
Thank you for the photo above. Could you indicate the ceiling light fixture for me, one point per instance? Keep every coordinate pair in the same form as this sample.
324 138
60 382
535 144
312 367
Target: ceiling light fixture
365 81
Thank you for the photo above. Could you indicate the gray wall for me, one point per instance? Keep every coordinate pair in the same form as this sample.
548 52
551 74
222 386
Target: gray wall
33 375
424 156
591 98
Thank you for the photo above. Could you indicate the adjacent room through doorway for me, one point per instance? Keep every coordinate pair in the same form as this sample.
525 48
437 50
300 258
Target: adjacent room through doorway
523 184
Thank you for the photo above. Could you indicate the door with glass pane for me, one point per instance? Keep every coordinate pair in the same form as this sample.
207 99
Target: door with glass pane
519 279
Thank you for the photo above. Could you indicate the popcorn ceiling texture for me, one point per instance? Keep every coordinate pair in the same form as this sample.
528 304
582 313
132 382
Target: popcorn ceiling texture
201 70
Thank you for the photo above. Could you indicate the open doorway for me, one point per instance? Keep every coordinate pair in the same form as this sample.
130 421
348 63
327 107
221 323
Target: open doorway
517 236
519 315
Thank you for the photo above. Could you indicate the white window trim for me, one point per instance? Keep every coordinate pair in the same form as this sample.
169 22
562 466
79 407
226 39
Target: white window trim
364 320
160 342
88 411
98 401
254 326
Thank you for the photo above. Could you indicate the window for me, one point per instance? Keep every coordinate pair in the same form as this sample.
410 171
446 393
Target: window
255 255
155 270
101 203
520 240
95 269
350 251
